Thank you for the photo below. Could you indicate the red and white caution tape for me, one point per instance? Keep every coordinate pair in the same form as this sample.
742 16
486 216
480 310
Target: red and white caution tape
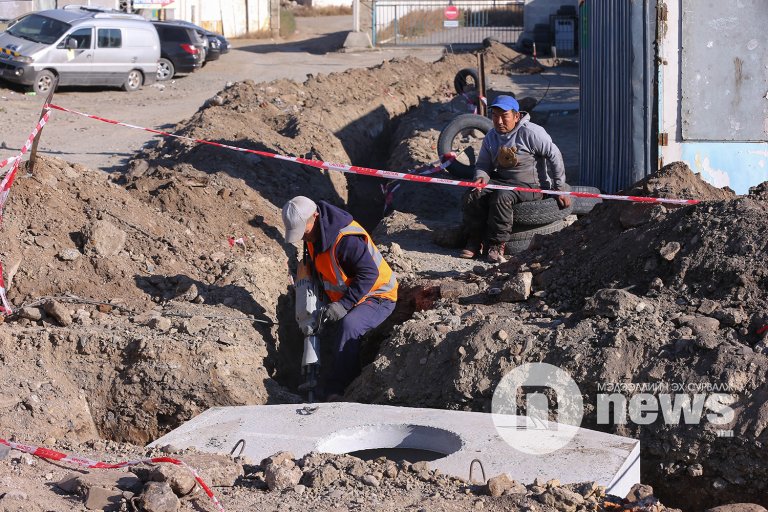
365 171
6 306
46 453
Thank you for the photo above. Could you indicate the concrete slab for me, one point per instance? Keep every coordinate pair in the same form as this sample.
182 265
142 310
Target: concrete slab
609 460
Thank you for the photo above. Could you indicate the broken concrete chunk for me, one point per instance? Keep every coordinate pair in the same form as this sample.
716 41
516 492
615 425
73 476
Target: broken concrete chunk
99 498
68 254
517 288
670 250
282 476
59 312
502 484
179 478
194 325
31 313
611 303
561 499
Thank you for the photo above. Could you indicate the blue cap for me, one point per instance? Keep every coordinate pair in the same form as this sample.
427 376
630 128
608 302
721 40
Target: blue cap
506 103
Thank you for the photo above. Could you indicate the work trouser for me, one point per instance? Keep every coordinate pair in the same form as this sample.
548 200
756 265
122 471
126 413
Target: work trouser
488 213
346 336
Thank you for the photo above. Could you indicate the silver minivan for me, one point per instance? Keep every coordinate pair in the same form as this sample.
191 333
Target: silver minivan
82 46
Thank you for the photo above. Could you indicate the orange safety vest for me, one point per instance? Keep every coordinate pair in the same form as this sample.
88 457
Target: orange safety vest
336 282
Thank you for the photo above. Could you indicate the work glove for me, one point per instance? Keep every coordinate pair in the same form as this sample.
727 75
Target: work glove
335 312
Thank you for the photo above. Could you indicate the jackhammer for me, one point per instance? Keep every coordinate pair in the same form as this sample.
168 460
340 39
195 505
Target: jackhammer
309 316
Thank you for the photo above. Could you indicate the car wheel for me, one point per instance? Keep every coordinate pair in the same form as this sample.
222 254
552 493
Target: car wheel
539 213
584 205
133 81
43 82
465 80
464 136
165 70
523 236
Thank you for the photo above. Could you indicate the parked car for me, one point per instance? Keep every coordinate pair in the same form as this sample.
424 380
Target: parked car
80 46
182 50
217 43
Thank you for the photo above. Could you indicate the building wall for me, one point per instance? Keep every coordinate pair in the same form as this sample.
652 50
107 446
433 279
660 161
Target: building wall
538 11
736 164
12 9
233 18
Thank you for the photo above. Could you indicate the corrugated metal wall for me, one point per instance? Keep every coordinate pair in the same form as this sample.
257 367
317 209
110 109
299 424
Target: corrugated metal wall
617 92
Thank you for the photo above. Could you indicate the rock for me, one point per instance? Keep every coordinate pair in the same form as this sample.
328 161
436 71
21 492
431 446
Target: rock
418 467
99 498
217 100
502 484
586 489
707 307
31 313
561 499
639 492
299 489
160 323
158 497
370 480
282 476
194 325
670 250
517 288
59 312
611 303
278 458
738 507
68 255
215 470
695 470
104 239
702 324
179 478
321 477
502 335
731 317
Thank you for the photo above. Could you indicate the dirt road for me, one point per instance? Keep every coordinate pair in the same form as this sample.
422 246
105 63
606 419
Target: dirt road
312 50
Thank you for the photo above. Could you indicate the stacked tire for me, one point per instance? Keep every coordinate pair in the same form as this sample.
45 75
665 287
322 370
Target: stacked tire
531 218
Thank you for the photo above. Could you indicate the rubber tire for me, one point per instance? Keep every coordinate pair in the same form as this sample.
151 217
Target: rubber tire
521 237
584 205
539 213
133 81
460 80
445 142
165 70
43 82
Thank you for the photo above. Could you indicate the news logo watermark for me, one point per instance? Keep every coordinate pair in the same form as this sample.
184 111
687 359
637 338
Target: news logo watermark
538 408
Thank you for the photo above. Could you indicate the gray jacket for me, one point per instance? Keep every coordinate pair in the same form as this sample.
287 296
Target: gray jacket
532 143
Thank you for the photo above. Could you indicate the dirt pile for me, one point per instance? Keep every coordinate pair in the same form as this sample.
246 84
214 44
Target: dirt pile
316 482
121 288
628 296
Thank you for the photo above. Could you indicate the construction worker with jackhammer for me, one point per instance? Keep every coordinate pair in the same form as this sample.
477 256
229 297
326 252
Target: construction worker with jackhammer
360 286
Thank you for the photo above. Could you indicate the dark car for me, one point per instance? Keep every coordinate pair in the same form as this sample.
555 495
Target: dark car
217 43
182 50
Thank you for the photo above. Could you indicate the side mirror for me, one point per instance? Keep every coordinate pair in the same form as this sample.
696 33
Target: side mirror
71 43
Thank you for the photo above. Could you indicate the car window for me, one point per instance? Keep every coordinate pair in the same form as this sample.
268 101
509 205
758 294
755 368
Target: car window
83 38
173 34
110 38
39 29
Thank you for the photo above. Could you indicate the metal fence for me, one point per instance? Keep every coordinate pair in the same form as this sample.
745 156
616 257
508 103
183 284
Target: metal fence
432 22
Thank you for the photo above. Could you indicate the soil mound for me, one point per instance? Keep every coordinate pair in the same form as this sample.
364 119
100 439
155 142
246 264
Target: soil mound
630 295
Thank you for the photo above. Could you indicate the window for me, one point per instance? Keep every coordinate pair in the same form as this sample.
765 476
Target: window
39 29
83 38
110 38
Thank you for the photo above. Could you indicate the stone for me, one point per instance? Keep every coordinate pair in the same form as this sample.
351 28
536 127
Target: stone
194 325
370 480
321 477
670 250
639 492
586 489
703 324
69 484
59 312
68 254
517 288
299 489
708 341
179 478
502 484
215 470
502 335
561 499
31 313
160 323
707 307
418 467
611 303
158 497
278 458
280 477
104 239
99 498
731 317
695 470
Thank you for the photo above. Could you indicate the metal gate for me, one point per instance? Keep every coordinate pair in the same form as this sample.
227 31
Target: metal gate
444 22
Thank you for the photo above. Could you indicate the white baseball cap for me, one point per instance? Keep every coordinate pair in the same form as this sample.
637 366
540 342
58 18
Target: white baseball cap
296 214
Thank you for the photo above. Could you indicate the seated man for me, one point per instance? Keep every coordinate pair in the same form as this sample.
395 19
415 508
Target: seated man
360 285
507 157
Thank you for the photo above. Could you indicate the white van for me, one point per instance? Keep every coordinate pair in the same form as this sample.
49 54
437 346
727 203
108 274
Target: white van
82 46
